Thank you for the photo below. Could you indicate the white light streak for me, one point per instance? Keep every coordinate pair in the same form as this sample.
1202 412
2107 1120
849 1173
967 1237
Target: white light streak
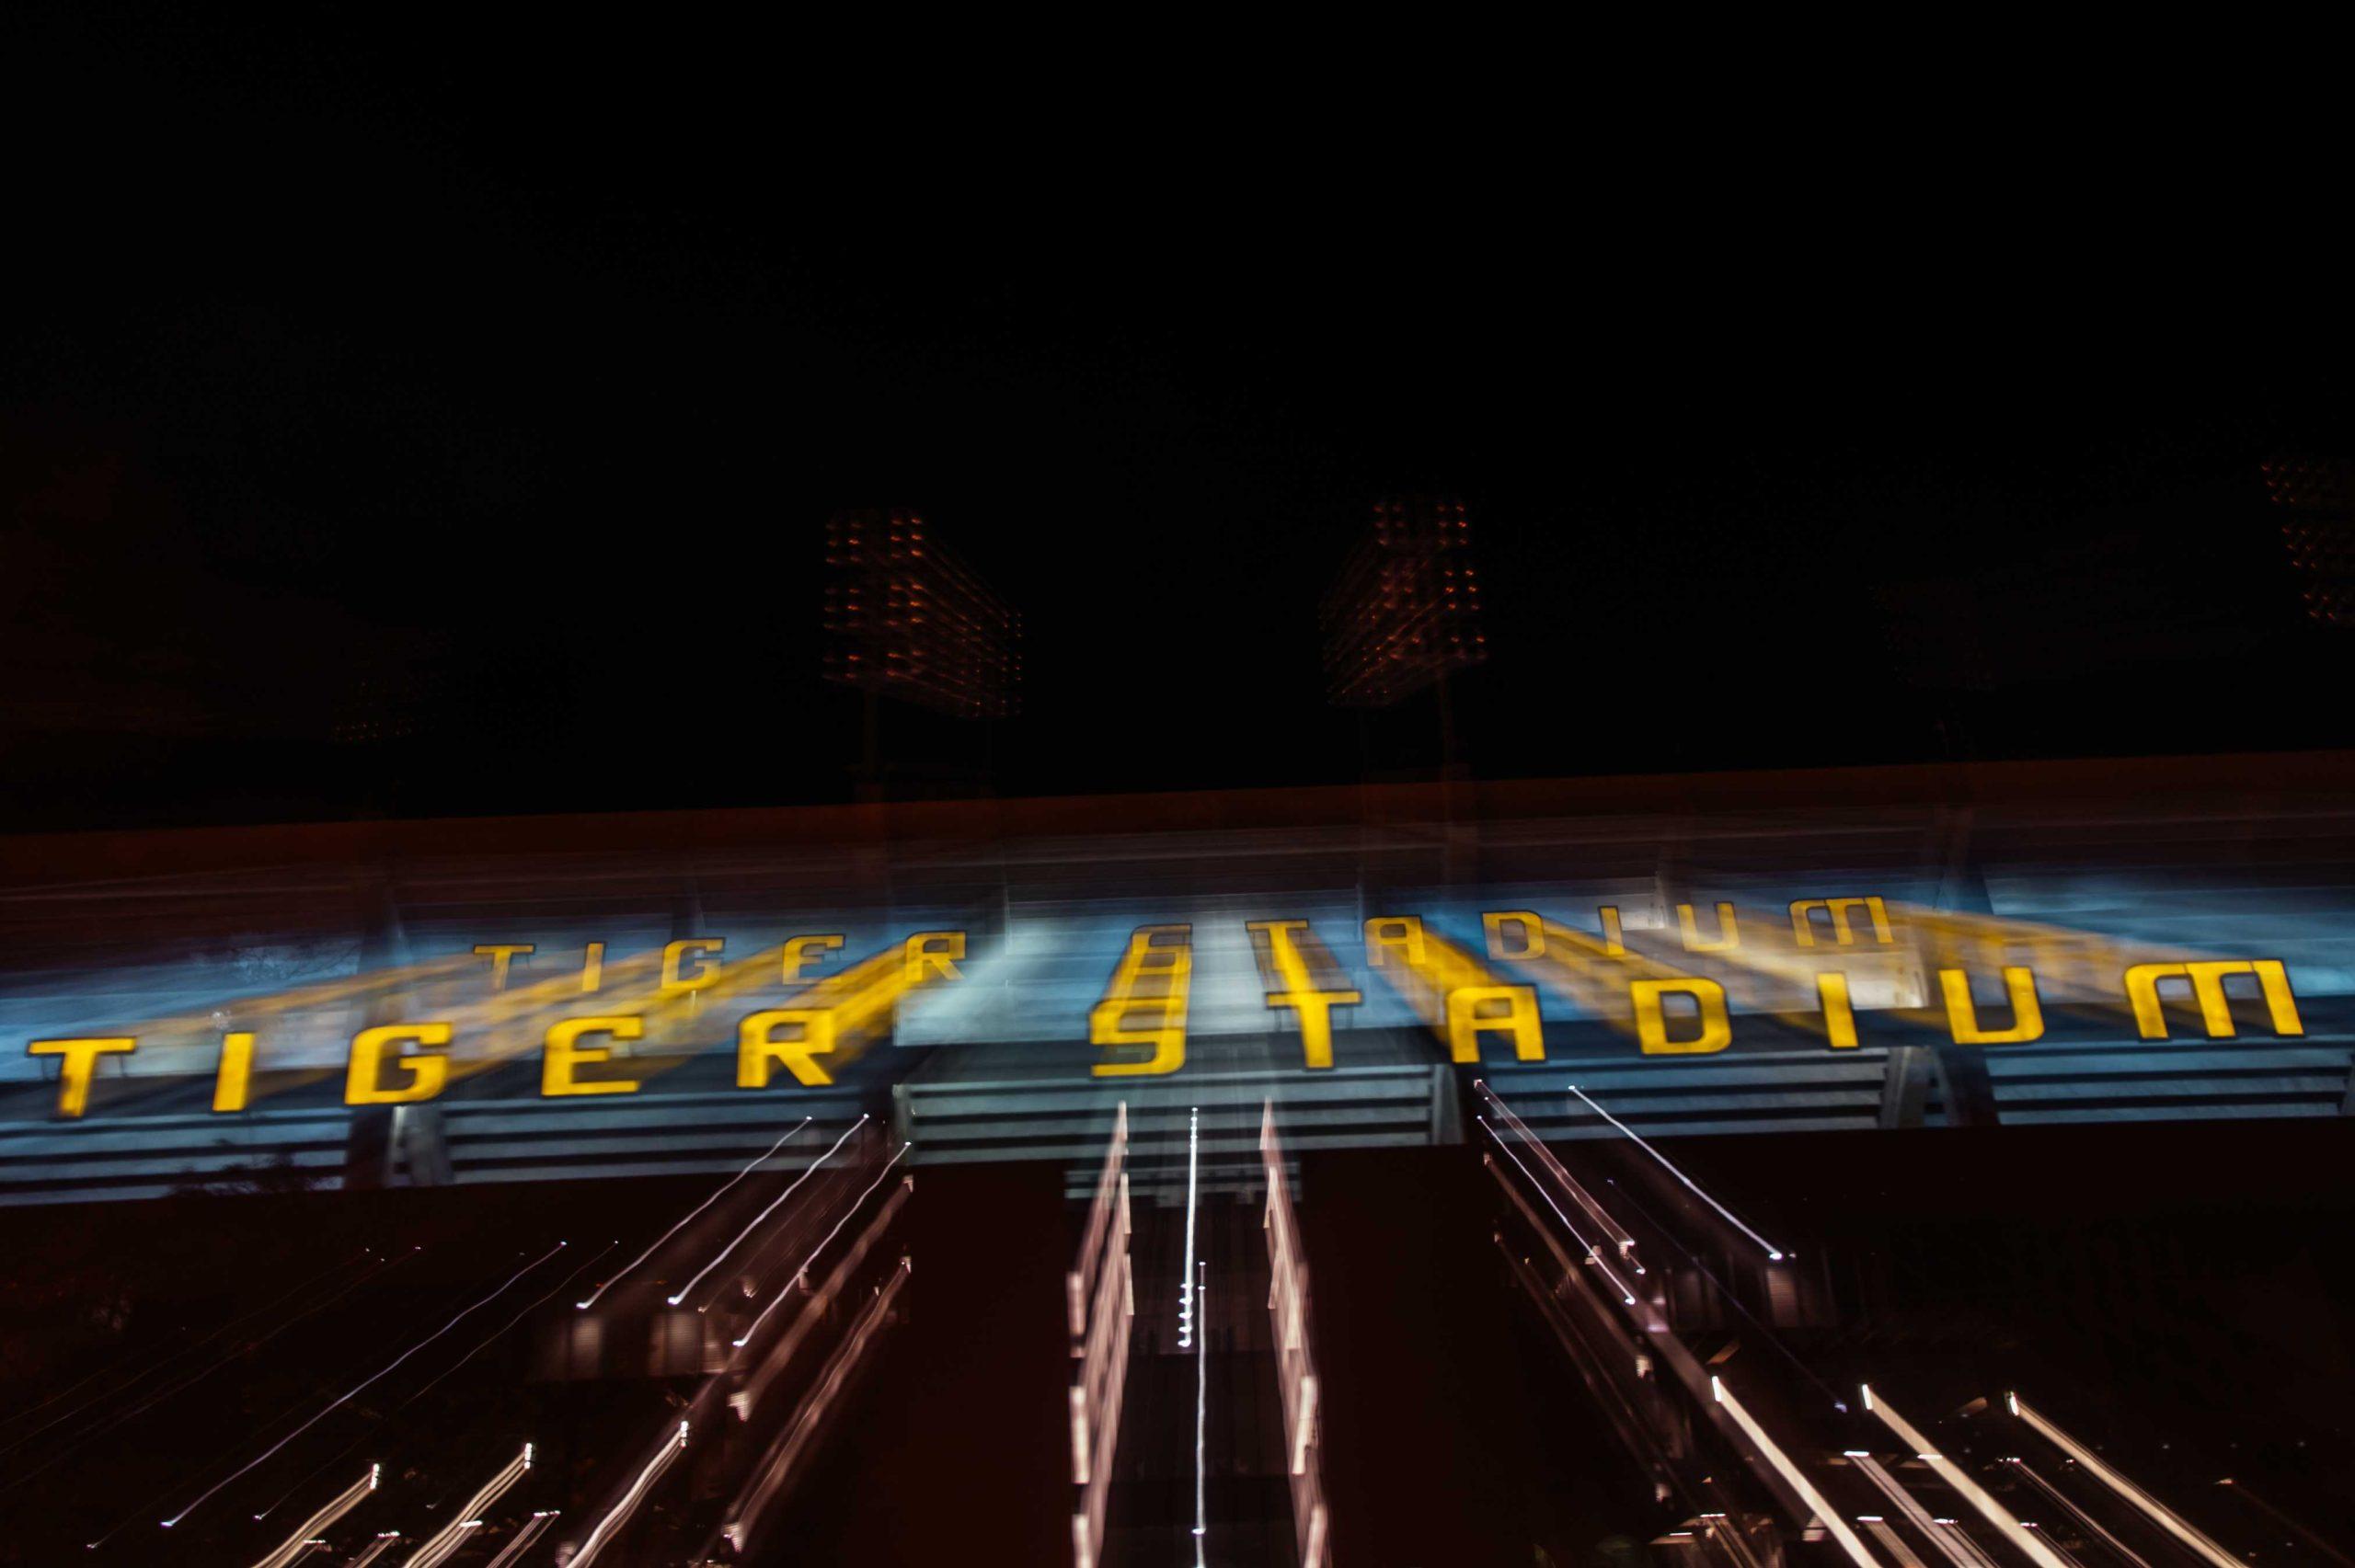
2085 1521
781 1354
1594 1255
1773 1253
764 1213
531 1530
344 1398
1954 1476
1890 1542
1186 1285
786 1290
1957 1548
674 1230
444 1542
1617 1233
2158 1512
777 1467
1202 1419
610 1526
1849 1541
293 1546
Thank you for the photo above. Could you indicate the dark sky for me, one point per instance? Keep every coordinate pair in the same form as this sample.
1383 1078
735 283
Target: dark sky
538 360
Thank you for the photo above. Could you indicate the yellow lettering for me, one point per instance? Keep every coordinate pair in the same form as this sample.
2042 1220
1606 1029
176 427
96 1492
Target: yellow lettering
758 1049
593 967
1728 935
564 1056
1474 1010
798 951
674 982
928 955
80 1060
427 1071
1803 924
1652 1014
1298 989
1614 944
231 1085
1528 935
1839 1018
2206 981
1314 1010
1962 1015
1395 933
500 954
1152 978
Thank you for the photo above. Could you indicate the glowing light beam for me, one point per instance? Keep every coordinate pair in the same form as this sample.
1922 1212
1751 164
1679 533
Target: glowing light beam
674 1230
702 1273
2158 1512
778 1299
1850 1542
346 1397
1954 1476
1773 1253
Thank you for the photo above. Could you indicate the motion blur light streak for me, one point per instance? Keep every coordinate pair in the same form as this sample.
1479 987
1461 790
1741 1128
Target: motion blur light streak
1201 1421
1553 1167
152 1367
533 1528
674 1230
2158 1512
445 1541
1099 1344
1287 1315
1627 1296
1774 1253
66 1449
1193 1184
351 1498
746 1399
430 1384
611 1524
786 1290
1890 1542
1917 1516
778 1468
764 1213
1954 1476
1796 1478
345 1398
2077 1516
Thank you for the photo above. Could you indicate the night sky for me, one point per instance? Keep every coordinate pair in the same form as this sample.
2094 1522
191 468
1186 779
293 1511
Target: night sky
520 374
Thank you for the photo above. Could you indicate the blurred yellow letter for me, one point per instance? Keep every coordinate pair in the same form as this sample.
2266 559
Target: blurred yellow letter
2207 980
1154 979
1962 1016
928 956
1839 1016
500 954
758 1049
1474 1010
673 981
1398 933
1528 937
1803 925
81 1058
427 1071
1728 935
1651 1015
798 951
564 1054
234 1079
